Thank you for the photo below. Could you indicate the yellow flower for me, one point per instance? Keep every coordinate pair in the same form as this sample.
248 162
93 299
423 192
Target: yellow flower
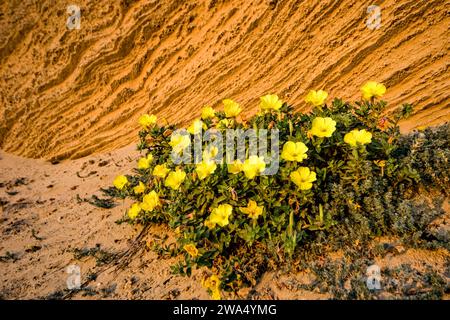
252 210
372 89
146 120
208 112
223 124
231 108
323 127
140 188
211 283
210 153
161 170
144 163
294 151
270 102
196 127
205 168
134 211
150 201
253 166
235 167
179 142
175 178
221 214
215 294
303 178
191 249
316 98
120 182
358 136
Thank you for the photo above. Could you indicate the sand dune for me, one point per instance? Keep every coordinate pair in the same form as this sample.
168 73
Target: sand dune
69 93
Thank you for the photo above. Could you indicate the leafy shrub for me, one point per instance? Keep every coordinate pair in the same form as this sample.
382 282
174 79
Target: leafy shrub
344 174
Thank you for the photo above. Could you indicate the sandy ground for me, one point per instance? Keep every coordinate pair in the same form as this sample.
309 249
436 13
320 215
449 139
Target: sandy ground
43 221
46 202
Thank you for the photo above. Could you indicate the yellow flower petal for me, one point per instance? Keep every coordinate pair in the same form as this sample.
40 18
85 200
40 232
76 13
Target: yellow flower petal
150 201
355 137
179 142
221 214
205 168
120 182
372 89
270 102
196 127
253 166
303 178
147 120
208 113
231 108
140 188
323 127
294 151
235 167
175 179
144 163
134 211
161 170
252 210
316 98
191 249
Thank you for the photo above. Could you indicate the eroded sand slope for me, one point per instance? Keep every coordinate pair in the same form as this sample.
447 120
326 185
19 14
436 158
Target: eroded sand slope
72 93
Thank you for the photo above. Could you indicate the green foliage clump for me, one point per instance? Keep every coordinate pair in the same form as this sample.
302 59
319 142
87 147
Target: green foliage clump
360 182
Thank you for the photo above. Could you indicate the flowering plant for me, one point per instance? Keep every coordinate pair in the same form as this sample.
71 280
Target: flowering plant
225 211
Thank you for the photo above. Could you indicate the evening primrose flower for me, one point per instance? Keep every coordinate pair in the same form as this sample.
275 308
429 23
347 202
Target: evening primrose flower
205 168
211 283
196 127
210 153
303 178
147 120
235 167
215 294
120 182
372 89
161 170
144 163
208 113
294 151
316 98
221 214
223 124
253 166
179 142
252 210
134 211
191 249
175 179
323 127
270 102
355 137
140 188
150 201
231 108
